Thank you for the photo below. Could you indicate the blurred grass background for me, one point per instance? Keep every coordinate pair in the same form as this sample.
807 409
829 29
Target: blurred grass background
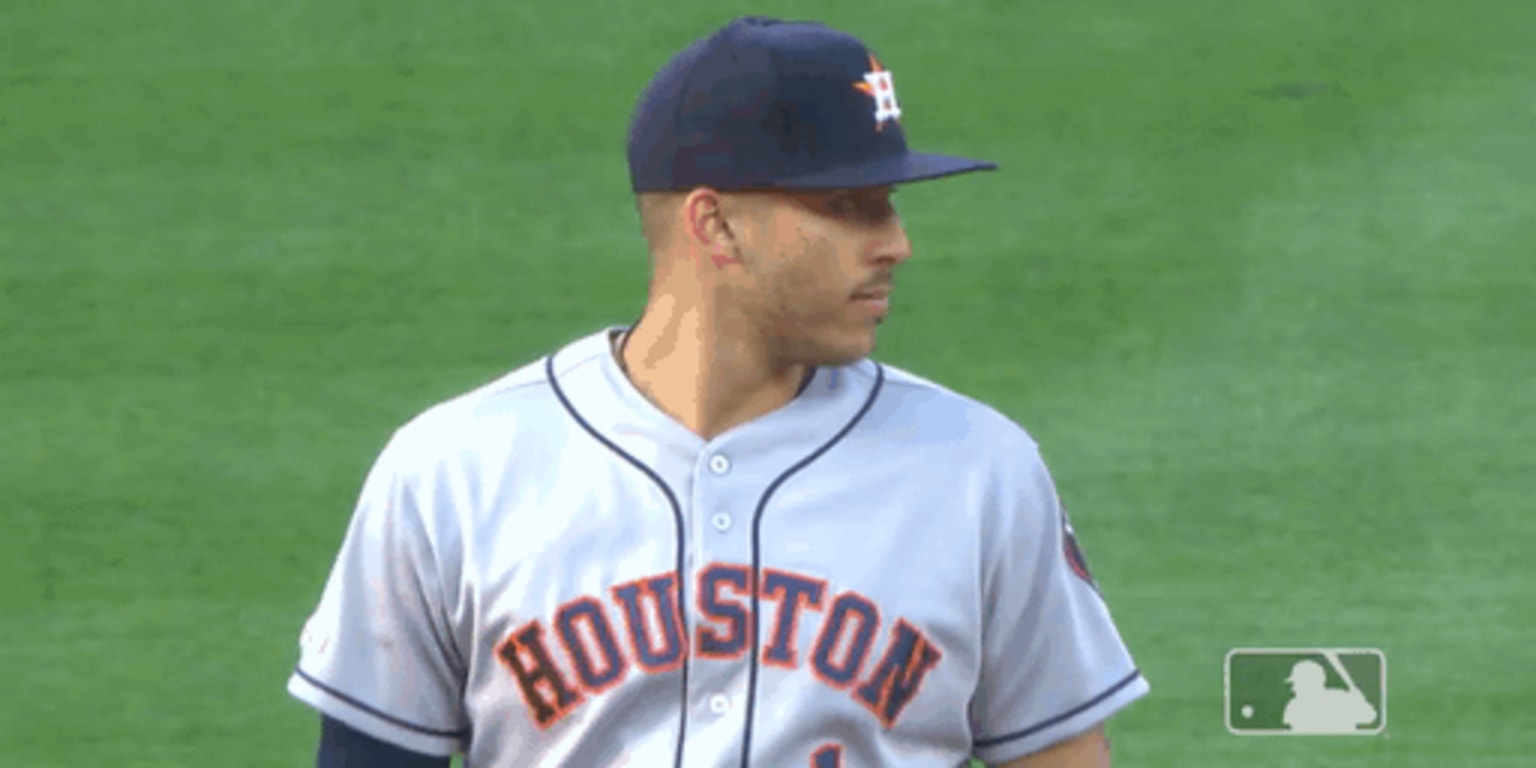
1258 276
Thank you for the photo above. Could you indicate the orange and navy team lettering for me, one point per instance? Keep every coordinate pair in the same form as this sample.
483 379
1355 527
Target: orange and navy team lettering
845 639
655 626
543 685
641 632
599 664
793 593
717 585
828 756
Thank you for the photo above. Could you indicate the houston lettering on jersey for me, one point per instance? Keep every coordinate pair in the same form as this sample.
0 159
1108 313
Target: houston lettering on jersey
639 629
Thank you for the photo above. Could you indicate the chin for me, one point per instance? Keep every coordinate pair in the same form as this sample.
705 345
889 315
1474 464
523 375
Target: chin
829 346
856 347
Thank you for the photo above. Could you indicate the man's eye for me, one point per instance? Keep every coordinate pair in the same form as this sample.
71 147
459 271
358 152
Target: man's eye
859 204
869 207
845 204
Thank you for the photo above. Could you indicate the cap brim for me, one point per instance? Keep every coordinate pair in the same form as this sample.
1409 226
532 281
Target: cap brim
887 171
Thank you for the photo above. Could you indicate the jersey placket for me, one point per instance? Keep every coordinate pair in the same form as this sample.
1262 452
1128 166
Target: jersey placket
718 557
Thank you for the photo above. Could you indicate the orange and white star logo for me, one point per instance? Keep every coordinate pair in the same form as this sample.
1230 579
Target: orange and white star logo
879 85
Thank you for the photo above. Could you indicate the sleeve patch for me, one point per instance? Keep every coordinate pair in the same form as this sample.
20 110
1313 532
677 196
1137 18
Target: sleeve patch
1074 552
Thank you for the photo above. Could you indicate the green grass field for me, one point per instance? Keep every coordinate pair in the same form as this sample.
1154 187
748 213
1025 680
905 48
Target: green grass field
1258 276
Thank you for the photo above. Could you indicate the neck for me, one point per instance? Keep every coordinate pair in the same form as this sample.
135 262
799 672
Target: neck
704 373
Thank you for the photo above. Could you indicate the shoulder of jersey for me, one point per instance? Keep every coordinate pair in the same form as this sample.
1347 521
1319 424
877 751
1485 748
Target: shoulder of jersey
929 401
517 401
974 434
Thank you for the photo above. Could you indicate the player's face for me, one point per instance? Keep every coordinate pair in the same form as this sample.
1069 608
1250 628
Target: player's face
822 266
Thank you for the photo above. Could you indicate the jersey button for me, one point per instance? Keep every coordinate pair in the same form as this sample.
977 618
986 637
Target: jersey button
719 704
722 522
719 464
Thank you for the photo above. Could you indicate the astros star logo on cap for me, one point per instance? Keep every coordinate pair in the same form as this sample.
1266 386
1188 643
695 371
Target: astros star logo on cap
879 85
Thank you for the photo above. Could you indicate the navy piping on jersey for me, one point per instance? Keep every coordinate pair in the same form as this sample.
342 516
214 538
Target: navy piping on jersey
1113 689
377 713
757 519
677 516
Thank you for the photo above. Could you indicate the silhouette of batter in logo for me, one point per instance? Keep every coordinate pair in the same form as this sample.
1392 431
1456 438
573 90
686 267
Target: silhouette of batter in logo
1315 708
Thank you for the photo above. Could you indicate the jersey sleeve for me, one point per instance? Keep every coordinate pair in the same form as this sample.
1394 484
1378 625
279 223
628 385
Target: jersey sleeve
378 652
1054 664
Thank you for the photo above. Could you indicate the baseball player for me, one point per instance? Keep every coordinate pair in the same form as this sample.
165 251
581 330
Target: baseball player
724 536
1316 708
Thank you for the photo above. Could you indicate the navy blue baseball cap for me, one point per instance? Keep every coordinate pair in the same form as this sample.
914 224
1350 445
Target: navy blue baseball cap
768 103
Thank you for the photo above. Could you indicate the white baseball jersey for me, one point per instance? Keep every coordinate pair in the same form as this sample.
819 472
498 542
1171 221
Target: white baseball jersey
549 571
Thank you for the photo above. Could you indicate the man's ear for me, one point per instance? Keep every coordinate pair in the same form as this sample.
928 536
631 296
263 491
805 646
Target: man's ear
703 218
707 224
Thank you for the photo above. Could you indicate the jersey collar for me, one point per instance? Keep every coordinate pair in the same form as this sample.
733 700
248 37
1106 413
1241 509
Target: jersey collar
597 392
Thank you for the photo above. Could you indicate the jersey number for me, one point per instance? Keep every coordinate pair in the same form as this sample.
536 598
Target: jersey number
828 756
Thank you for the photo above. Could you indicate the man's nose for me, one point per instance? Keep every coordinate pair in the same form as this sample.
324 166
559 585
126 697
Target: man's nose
894 246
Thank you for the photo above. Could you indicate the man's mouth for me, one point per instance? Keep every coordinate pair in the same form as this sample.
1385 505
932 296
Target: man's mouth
876 299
